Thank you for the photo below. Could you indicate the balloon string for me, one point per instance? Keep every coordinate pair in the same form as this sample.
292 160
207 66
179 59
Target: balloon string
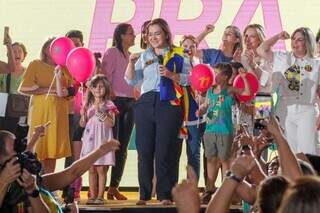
54 77
198 122
81 88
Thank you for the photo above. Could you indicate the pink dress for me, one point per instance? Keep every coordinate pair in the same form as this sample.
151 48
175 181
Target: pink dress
97 132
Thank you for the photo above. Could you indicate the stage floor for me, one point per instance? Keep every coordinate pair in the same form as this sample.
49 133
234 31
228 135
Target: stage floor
128 206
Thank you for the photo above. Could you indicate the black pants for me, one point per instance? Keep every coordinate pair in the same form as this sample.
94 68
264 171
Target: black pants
73 125
122 132
157 128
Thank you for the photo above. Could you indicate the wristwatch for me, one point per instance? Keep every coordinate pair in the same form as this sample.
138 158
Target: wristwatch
34 193
232 176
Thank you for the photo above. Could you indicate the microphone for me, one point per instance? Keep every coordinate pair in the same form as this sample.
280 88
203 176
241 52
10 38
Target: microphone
187 51
160 59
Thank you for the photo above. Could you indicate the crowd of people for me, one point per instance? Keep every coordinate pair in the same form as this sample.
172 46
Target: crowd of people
151 92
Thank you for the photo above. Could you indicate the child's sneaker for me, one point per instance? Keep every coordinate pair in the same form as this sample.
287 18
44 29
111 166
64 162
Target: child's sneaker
90 201
100 201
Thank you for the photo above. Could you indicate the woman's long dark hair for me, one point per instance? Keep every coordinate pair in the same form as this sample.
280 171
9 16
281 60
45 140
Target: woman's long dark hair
121 29
143 45
93 83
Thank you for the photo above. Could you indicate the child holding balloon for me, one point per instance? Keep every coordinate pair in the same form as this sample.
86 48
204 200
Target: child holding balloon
218 134
98 117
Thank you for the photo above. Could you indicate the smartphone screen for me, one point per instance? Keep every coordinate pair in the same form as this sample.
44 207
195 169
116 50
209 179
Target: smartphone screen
263 106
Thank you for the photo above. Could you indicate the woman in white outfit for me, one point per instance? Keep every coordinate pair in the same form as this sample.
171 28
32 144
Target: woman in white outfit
296 78
253 36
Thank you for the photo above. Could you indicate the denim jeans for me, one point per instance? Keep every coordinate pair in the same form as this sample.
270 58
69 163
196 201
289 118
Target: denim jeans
193 146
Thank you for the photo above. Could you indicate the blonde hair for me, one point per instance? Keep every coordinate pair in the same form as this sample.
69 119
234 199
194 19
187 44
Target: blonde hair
238 35
309 38
259 29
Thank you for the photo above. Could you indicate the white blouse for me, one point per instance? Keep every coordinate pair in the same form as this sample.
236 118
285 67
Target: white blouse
295 79
266 70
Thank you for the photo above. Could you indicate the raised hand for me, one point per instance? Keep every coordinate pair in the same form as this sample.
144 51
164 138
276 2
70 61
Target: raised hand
243 165
40 130
186 195
134 57
237 55
27 181
283 35
111 145
209 28
250 55
260 143
11 171
273 126
7 39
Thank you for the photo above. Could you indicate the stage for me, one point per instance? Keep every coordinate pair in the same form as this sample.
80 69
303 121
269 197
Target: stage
129 206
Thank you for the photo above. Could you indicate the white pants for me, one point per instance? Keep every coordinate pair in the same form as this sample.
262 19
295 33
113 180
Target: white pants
300 128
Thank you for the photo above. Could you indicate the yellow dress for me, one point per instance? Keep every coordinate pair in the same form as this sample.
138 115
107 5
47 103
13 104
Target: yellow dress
55 143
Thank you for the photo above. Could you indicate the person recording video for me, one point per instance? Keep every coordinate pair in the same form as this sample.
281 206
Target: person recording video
21 186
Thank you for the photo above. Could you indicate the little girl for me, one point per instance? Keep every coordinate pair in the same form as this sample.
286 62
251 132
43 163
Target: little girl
97 116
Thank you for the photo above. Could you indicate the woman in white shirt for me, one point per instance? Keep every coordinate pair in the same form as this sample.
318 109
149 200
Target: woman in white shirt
253 36
296 78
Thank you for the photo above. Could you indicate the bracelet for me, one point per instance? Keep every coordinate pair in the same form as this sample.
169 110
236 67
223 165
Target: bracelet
232 176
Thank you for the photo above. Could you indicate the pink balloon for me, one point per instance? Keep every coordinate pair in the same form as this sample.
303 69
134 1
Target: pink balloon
253 84
81 63
60 48
201 77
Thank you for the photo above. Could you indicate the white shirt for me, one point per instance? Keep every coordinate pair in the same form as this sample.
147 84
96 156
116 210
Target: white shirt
266 70
295 79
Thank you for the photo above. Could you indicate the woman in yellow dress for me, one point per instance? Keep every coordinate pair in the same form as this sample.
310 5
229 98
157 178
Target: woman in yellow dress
36 81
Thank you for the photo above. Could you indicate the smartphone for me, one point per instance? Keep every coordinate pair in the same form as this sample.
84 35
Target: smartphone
47 124
263 109
6 31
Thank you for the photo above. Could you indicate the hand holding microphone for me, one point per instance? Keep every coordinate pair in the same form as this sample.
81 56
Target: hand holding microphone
164 72
162 68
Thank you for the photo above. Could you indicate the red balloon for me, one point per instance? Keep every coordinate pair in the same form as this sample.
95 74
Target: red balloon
201 77
60 48
81 63
253 84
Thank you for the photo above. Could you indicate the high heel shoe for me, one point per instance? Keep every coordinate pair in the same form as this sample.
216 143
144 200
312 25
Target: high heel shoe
115 194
